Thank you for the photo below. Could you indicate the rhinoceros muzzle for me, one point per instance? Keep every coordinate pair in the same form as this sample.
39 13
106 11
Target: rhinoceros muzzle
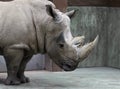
69 65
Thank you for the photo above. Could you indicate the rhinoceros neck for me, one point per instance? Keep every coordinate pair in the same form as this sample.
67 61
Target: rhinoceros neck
39 32
41 22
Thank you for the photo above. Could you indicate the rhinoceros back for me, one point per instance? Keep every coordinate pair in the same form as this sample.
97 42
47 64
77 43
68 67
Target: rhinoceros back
16 22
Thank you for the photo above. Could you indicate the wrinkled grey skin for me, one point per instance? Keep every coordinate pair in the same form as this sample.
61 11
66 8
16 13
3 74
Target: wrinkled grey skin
28 27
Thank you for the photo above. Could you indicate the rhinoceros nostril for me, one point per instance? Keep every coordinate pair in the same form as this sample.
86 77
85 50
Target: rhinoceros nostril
69 66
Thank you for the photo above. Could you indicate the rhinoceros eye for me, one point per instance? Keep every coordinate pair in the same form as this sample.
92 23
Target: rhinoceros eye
61 45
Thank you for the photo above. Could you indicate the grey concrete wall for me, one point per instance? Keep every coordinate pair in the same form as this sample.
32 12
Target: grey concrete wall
105 21
114 37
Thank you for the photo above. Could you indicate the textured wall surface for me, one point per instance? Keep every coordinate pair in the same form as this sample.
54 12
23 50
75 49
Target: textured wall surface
114 37
105 21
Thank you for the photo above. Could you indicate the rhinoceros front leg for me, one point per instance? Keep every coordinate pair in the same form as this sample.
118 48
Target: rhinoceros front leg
13 59
20 74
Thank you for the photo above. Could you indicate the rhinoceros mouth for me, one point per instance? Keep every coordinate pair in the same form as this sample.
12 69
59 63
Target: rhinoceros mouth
68 67
68 64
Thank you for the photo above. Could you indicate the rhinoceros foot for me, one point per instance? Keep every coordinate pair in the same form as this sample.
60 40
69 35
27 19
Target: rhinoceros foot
12 81
24 79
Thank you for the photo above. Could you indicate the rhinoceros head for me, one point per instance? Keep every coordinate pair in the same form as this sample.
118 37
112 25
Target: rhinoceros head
64 49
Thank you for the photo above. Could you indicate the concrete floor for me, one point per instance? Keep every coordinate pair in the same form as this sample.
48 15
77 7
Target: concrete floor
83 78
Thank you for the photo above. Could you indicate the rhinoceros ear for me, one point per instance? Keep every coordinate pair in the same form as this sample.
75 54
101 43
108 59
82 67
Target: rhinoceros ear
71 13
51 12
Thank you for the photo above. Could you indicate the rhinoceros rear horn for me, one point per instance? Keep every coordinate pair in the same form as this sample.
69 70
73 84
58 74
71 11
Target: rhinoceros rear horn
50 10
78 41
85 50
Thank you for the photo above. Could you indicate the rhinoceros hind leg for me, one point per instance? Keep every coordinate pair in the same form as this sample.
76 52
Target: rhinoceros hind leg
13 59
21 70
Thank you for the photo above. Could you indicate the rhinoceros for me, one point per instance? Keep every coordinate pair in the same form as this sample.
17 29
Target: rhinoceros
28 27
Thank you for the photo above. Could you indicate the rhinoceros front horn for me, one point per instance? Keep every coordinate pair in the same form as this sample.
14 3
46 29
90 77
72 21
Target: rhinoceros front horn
84 51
